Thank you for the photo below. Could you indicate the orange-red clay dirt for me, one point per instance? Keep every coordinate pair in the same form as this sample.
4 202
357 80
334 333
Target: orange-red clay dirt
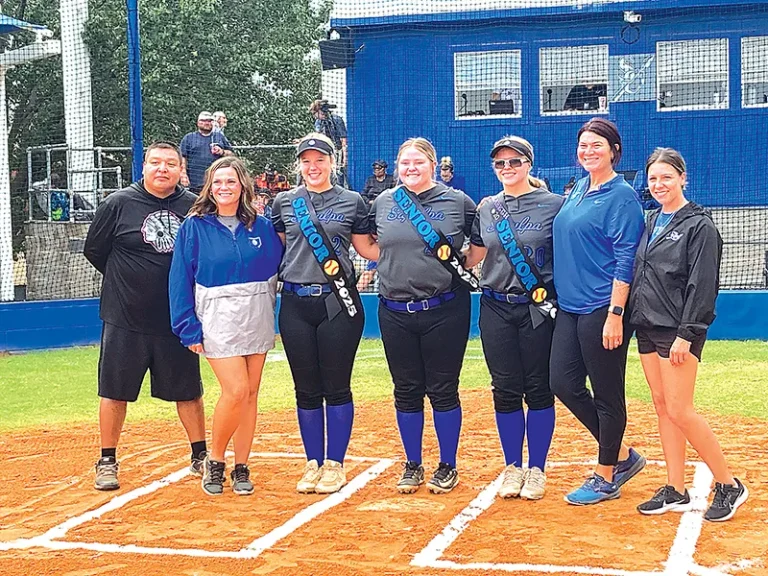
47 477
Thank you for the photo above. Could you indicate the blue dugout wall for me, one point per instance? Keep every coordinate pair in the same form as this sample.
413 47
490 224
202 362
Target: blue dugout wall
741 315
402 84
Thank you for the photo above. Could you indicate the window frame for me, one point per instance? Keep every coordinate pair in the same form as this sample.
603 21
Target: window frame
745 39
518 102
550 113
660 63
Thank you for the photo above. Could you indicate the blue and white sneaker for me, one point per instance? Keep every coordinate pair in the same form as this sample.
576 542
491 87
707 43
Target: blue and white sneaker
594 490
627 469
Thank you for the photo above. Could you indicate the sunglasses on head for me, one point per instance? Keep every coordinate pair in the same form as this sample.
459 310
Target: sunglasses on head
511 162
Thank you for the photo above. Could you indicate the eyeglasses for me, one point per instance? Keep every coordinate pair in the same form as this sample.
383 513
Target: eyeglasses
511 162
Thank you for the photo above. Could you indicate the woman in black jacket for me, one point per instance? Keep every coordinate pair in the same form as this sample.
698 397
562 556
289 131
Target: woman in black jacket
672 304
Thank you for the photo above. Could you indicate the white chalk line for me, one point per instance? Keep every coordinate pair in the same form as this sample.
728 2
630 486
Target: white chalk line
52 538
683 547
311 512
680 560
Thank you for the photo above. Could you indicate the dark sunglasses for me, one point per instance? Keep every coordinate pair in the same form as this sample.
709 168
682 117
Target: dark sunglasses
511 162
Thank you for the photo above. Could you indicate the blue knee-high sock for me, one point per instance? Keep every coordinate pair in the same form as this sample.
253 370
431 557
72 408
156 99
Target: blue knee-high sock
312 428
411 425
511 427
541 426
339 421
448 429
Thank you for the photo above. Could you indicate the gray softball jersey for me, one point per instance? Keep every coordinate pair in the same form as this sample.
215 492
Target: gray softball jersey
532 215
407 271
341 213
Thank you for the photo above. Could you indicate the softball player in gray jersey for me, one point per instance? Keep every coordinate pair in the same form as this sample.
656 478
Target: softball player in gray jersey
320 338
423 312
516 336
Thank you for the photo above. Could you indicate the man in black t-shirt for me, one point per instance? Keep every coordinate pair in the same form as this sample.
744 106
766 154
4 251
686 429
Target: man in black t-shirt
377 182
131 241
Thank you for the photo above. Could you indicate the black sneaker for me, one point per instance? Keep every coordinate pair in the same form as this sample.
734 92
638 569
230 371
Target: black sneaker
241 480
445 479
727 500
666 499
413 477
213 477
196 465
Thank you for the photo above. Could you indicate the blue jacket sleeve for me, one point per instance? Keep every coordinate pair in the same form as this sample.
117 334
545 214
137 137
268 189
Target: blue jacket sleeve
181 288
625 228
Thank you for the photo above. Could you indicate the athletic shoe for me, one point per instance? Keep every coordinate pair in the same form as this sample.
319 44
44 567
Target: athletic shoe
196 466
412 478
514 476
627 469
213 477
666 499
332 479
535 482
309 478
106 474
241 480
727 500
445 479
595 489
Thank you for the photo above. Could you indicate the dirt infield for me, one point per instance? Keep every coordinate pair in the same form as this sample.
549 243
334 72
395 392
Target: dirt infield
47 479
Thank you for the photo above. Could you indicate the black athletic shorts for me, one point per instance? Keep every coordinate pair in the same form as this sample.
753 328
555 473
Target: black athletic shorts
126 356
660 340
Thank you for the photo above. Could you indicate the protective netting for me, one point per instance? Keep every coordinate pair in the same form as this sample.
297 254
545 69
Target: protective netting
690 74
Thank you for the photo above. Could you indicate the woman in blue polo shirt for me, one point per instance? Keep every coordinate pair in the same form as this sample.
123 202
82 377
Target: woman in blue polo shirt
596 235
222 287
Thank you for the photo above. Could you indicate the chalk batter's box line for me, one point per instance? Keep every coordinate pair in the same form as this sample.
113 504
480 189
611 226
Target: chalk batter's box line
52 538
680 560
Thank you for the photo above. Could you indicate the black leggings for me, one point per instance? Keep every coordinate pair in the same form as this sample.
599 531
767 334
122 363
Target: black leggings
517 355
320 352
425 352
577 352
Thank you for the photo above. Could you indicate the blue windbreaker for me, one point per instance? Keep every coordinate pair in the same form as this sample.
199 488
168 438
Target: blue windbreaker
595 237
222 286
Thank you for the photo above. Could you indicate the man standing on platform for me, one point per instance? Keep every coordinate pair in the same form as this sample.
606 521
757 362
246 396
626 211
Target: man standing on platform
130 241
200 149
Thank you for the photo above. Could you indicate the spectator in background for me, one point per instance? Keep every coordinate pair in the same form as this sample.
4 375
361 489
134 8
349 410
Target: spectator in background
327 123
447 175
219 121
199 150
377 182
271 181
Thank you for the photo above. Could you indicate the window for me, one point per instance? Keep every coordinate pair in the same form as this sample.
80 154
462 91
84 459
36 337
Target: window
754 72
574 80
487 84
692 75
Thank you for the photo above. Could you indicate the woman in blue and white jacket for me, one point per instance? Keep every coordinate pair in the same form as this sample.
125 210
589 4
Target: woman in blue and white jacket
223 285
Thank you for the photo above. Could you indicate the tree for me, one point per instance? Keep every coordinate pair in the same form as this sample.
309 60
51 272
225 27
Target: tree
249 58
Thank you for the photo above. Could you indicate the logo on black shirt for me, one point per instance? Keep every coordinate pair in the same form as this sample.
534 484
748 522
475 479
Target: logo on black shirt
160 229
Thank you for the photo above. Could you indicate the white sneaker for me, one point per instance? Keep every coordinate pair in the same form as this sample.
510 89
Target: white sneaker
514 477
310 478
332 478
535 481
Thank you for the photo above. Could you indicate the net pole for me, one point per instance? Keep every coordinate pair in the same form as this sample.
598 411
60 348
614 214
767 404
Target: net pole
6 236
134 88
78 102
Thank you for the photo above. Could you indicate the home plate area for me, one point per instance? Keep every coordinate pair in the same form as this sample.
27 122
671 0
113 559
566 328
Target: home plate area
471 529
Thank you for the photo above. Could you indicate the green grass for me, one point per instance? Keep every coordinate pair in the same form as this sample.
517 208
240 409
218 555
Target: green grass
59 387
